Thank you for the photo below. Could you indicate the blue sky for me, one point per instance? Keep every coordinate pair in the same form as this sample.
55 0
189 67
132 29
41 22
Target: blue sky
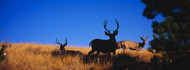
80 21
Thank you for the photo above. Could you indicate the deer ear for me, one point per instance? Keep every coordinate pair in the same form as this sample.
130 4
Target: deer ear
146 39
142 38
106 33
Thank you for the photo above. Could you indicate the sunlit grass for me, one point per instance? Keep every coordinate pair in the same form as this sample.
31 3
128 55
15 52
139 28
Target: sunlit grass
41 57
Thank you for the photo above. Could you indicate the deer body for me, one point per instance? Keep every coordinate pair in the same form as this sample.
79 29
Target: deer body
72 52
125 45
105 46
131 45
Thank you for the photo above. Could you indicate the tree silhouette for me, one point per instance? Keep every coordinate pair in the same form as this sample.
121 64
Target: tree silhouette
173 34
178 9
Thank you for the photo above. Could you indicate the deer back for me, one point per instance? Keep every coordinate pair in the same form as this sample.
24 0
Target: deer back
130 44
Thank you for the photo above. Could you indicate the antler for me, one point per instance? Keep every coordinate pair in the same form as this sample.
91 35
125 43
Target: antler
146 37
116 31
58 42
65 43
105 23
117 25
143 38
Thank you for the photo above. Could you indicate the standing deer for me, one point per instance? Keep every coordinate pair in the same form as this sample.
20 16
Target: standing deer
105 46
132 45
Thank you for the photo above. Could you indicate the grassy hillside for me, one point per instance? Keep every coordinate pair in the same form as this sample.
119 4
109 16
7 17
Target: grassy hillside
48 57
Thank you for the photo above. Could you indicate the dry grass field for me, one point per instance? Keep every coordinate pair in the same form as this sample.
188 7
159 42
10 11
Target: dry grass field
48 57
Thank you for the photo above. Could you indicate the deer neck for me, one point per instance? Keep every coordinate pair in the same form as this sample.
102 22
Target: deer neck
142 44
112 40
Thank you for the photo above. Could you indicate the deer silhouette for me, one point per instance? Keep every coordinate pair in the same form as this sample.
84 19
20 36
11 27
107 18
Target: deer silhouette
125 45
69 52
62 46
105 46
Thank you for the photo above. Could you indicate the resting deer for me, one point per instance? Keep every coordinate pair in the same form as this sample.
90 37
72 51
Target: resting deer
62 46
105 46
125 45
63 51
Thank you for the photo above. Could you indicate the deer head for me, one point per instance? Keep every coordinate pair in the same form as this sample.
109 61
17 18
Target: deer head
107 32
62 46
144 40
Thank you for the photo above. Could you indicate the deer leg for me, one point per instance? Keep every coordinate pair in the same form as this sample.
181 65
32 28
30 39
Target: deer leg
98 52
109 55
114 52
91 52
125 49
137 50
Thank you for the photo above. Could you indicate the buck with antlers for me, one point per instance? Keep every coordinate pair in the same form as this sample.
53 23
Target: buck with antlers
125 45
69 52
105 46
62 46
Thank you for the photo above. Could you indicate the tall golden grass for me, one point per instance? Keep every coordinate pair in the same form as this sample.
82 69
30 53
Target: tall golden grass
27 56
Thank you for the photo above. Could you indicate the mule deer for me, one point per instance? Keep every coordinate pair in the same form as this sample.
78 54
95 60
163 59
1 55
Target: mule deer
125 45
69 52
105 46
62 46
